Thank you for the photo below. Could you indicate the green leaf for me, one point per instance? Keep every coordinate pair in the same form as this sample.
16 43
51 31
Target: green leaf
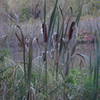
52 19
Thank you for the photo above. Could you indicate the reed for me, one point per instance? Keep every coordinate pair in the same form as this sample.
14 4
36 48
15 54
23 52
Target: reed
97 66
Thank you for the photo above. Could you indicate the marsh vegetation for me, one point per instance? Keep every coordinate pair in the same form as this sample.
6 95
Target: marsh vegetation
49 50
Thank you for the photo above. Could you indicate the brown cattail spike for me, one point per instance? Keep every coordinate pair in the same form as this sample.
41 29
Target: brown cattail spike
71 30
44 27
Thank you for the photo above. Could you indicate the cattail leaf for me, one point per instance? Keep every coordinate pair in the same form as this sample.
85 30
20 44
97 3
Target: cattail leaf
52 29
18 38
22 36
19 29
30 55
58 23
53 25
52 18
44 11
79 15
97 66
31 94
61 11
85 58
74 48
61 37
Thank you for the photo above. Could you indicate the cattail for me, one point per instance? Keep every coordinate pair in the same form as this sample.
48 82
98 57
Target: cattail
31 94
18 38
44 27
71 31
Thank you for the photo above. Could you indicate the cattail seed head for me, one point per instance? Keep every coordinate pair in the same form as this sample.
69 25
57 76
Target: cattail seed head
71 31
45 34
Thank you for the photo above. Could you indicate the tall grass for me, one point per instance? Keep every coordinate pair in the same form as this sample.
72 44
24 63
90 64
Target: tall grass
96 77
62 33
39 83
27 63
